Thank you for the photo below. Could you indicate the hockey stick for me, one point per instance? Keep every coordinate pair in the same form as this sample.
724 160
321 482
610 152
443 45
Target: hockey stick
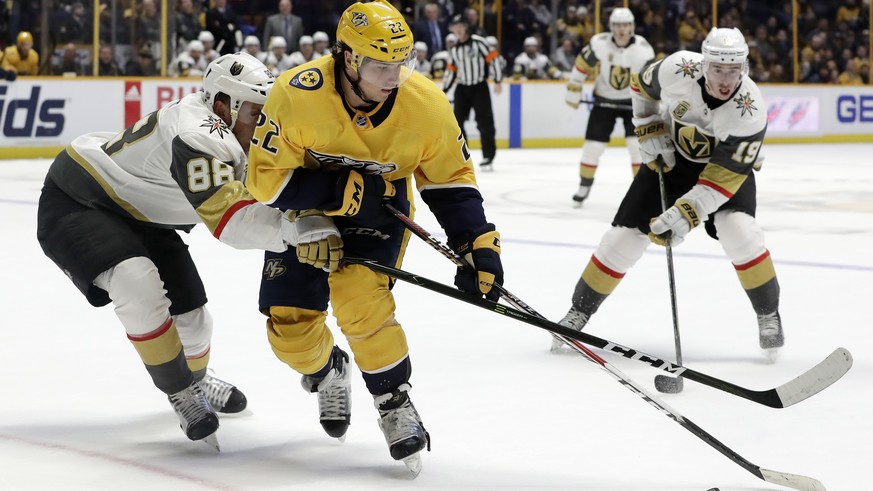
607 105
794 481
804 386
663 383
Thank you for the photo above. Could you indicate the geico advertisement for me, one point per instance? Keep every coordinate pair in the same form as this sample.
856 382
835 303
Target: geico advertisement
40 113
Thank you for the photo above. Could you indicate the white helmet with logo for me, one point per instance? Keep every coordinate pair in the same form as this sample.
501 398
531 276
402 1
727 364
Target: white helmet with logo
621 15
241 77
728 46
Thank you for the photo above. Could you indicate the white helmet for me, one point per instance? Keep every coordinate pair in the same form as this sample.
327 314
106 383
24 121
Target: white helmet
252 41
621 15
491 41
723 45
278 42
420 46
320 37
451 38
206 37
305 40
531 41
195 45
241 77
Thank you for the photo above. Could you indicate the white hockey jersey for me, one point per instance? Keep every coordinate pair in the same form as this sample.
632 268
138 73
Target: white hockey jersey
612 65
537 68
175 168
278 66
297 58
726 135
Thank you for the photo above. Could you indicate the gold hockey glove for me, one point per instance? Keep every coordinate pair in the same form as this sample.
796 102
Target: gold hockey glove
318 241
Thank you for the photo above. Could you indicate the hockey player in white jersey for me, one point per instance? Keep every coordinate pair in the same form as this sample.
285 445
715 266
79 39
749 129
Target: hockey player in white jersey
611 57
306 53
533 65
703 118
109 213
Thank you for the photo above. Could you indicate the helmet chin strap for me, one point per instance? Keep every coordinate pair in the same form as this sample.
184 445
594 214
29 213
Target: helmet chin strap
357 89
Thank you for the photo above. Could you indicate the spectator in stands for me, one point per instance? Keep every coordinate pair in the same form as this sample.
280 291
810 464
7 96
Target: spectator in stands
106 64
143 65
537 19
187 23
208 40
850 75
286 25
252 46
430 30
277 60
422 65
570 26
564 58
305 54
189 63
71 62
691 32
322 43
72 25
850 13
472 16
222 22
21 59
148 27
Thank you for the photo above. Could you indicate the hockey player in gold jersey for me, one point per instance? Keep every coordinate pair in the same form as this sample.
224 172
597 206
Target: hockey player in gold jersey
111 207
341 134
704 119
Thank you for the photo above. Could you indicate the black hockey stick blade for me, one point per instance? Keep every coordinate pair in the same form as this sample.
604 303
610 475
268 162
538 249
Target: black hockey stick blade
804 386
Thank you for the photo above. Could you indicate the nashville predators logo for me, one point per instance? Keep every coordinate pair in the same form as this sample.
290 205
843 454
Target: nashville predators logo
695 144
359 20
273 268
215 125
745 104
688 68
308 79
619 77
316 160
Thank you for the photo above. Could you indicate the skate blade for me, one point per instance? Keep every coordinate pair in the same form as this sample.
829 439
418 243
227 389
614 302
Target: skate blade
413 464
577 204
341 439
772 355
212 441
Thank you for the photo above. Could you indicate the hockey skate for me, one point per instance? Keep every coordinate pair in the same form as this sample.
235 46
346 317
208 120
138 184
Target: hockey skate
575 320
196 416
402 427
770 335
487 165
581 195
223 396
334 395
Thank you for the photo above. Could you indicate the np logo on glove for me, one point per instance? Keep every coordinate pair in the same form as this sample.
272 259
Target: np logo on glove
353 188
318 241
655 141
481 249
674 223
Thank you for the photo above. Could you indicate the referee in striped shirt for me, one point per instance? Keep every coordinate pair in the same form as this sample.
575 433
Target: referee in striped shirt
470 62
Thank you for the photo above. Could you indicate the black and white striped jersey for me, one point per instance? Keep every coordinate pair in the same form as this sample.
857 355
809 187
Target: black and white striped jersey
470 63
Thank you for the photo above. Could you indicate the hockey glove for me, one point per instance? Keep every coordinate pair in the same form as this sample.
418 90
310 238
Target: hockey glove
481 249
654 141
573 96
353 188
317 239
674 223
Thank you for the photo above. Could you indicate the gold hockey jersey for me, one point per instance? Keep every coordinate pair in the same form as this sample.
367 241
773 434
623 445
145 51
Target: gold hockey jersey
309 132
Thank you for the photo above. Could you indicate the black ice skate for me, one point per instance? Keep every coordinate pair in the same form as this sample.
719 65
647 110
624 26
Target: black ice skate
575 320
770 334
582 193
402 427
223 396
334 395
196 416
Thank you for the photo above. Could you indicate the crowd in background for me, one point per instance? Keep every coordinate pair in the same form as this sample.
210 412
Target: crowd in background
833 35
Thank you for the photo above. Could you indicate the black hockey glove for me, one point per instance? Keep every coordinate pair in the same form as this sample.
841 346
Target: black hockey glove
352 188
481 249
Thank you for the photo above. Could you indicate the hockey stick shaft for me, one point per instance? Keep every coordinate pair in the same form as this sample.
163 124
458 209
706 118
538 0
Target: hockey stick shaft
607 105
792 480
671 273
806 385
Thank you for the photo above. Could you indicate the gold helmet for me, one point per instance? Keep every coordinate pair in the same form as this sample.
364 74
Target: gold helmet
25 37
375 30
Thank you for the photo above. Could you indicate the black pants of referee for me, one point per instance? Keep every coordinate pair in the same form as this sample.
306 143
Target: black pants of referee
477 97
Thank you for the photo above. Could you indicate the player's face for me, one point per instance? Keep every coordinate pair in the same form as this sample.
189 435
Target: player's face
377 79
622 33
722 79
246 121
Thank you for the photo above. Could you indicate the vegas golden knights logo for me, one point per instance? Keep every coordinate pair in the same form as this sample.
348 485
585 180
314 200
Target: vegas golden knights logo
695 144
619 77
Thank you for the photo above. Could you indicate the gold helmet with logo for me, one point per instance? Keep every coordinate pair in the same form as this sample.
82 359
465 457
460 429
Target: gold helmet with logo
375 30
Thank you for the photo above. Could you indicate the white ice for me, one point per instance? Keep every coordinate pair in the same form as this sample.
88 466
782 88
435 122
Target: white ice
78 411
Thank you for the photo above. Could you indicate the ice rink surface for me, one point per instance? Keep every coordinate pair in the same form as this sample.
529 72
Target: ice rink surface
79 412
